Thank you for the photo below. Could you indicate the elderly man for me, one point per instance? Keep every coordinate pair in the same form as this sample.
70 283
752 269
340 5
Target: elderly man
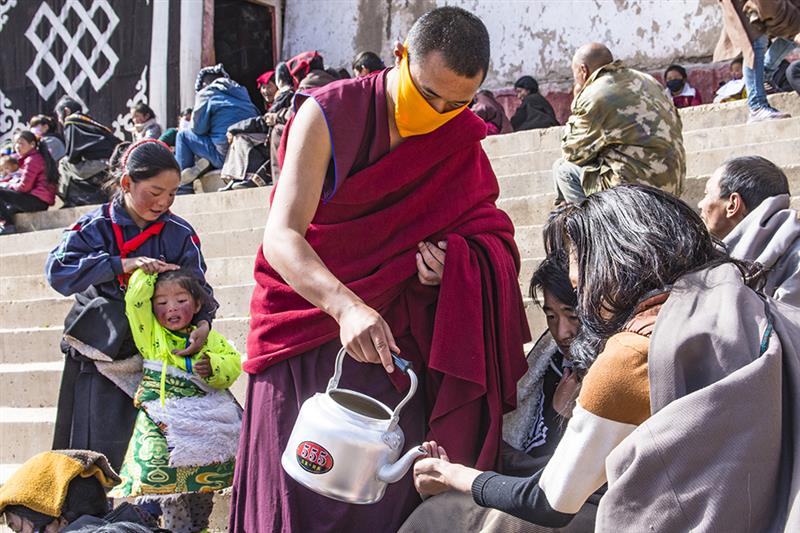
747 206
380 176
623 129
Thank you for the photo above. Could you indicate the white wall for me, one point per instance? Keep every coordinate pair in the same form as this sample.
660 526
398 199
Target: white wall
528 37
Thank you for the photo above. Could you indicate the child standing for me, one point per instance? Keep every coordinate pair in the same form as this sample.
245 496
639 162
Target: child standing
187 431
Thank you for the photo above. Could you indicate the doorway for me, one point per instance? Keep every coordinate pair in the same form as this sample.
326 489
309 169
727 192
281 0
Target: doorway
244 41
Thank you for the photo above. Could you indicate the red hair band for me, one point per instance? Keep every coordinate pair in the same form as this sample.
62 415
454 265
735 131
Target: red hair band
136 145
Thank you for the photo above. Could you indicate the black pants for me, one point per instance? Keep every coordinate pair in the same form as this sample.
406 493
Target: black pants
13 202
793 76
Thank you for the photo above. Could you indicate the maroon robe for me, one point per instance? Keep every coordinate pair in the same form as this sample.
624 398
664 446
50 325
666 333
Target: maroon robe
375 208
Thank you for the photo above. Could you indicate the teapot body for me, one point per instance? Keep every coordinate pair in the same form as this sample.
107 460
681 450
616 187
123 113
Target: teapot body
339 443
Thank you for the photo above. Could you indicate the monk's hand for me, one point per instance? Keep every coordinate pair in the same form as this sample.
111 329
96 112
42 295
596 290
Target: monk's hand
148 264
366 335
197 339
436 474
566 393
203 366
430 262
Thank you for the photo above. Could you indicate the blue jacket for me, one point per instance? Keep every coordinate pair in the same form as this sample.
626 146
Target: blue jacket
87 260
217 106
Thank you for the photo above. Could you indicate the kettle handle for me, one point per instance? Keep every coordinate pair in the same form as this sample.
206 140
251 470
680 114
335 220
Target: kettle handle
402 364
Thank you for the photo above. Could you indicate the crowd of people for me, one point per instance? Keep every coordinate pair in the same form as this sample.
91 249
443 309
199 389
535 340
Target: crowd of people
666 379
227 132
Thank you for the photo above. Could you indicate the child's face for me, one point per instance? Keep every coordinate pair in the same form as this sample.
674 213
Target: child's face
173 306
8 168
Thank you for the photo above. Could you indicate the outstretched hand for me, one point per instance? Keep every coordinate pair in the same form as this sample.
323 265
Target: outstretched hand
436 474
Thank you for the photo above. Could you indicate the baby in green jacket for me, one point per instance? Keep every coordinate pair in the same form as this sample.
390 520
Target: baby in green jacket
187 431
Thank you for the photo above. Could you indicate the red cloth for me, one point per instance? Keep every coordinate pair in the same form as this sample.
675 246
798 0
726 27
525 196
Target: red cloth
432 187
687 101
33 179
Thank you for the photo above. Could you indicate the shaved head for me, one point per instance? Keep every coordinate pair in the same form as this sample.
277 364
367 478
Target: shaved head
593 55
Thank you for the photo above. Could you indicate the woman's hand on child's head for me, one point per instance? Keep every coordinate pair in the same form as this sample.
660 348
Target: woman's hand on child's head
197 339
203 367
148 264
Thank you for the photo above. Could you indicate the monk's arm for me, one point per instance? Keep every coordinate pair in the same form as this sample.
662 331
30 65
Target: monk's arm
308 152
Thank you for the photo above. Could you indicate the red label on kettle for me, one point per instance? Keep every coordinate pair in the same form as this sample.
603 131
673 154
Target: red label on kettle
314 458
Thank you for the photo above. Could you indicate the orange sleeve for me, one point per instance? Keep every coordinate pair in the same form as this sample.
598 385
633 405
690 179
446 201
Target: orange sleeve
617 386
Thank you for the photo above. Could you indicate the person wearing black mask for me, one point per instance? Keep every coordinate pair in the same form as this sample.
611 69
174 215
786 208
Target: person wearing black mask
678 88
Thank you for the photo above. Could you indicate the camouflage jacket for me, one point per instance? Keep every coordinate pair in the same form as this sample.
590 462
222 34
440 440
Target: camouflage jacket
623 129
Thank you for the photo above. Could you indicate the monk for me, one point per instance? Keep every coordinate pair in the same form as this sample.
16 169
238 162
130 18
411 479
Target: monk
383 176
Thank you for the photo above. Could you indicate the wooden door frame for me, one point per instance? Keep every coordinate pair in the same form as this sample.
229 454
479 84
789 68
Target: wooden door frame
277 26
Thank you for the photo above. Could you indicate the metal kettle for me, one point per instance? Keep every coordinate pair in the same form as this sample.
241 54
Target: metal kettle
346 445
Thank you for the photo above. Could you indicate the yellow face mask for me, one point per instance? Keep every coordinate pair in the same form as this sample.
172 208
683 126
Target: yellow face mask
412 112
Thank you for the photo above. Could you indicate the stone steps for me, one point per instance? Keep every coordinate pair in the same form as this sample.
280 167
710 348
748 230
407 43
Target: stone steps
227 202
221 271
698 163
234 301
694 140
203 223
218 244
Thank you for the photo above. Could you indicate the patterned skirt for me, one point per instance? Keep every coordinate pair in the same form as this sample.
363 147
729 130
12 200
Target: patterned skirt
146 469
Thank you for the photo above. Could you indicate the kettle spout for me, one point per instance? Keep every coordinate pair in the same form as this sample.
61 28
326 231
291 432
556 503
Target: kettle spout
391 473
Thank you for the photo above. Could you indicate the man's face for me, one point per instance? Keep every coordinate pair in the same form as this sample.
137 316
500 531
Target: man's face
441 87
715 210
562 321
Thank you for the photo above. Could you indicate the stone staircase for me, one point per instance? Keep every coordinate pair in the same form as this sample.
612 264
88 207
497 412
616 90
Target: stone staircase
230 226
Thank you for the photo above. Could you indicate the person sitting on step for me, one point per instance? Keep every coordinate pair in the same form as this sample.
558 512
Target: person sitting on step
681 407
366 63
747 205
46 128
677 81
534 111
219 102
623 129
247 163
734 88
545 399
65 491
84 168
143 123
33 186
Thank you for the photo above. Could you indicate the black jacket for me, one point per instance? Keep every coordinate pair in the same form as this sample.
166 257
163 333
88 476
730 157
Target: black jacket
533 113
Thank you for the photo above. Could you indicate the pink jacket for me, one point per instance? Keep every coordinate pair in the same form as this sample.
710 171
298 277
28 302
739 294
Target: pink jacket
33 179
